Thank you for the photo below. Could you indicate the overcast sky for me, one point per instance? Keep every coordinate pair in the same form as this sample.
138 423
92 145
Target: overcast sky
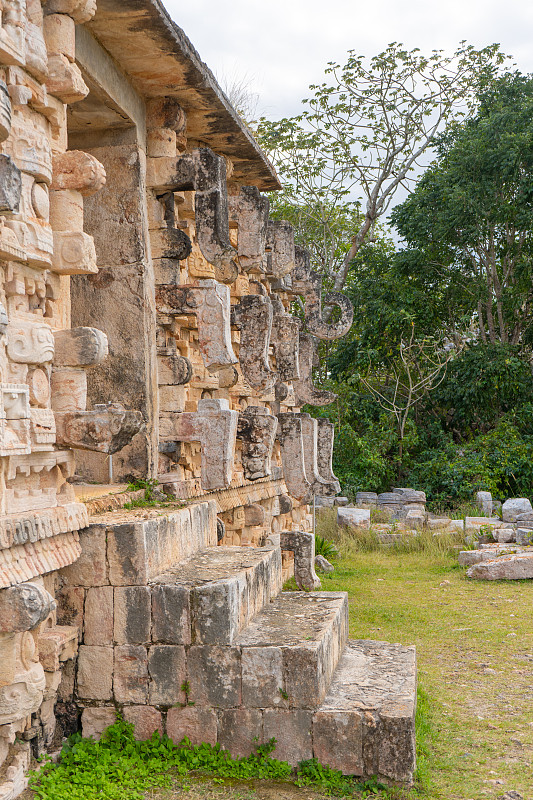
281 46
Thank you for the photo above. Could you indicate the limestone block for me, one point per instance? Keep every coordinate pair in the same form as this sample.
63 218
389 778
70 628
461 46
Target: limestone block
515 506
30 342
323 565
338 740
292 454
504 535
79 347
205 172
66 210
10 185
302 544
475 523
199 725
253 317
31 149
240 731
305 392
95 672
170 243
60 35
326 436
257 430
512 567
68 390
262 677
146 720
168 671
65 80
15 419
132 615
215 675
78 171
484 502
23 607
80 10
524 536
319 485
57 643
105 429
254 514
455 525
292 730
308 284
94 721
215 427
210 303
130 678
129 547
12 41
171 618
91 567
74 253
280 257
250 209
98 617
5 107
438 522
354 517
71 600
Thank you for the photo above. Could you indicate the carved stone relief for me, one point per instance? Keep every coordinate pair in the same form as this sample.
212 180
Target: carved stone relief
305 391
292 454
253 317
308 284
257 430
249 209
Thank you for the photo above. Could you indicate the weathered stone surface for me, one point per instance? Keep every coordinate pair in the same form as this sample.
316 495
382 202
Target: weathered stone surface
484 501
29 342
355 517
292 730
5 112
94 721
74 253
210 303
285 339
468 558
174 370
308 283
205 172
168 671
249 209
146 720
475 523
197 724
132 615
10 185
366 499
504 535
304 390
240 730
292 454
262 677
326 436
214 425
279 248
515 506
79 347
98 617
171 618
76 170
23 607
524 536
106 429
512 567
302 544
130 677
95 672
90 569
257 430
323 565
319 485
253 317
215 675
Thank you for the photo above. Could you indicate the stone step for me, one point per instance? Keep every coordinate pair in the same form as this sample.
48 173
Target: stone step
366 724
214 594
291 649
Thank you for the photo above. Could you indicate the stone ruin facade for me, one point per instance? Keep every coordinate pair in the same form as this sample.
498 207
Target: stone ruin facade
146 333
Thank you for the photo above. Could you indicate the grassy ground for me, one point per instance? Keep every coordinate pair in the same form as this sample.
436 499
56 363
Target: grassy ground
475 659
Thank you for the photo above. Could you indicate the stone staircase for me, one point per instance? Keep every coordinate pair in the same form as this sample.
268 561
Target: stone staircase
199 641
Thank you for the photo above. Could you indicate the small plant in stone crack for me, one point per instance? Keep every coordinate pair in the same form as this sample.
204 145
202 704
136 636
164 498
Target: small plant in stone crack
283 693
152 495
186 689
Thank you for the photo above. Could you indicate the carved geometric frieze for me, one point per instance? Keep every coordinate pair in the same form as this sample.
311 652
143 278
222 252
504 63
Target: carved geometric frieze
320 485
210 302
279 248
105 429
214 425
304 390
14 419
80 347
27 561
204 172
31 527
326 437
29 342
253 317
30 149
292 455
43 428
257 431
38 481
308 284
249 209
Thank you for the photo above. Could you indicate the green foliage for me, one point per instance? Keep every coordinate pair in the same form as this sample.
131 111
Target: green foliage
324 547
148 500
313 773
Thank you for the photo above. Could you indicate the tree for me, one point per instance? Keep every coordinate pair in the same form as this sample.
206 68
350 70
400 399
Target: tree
367 132
469 222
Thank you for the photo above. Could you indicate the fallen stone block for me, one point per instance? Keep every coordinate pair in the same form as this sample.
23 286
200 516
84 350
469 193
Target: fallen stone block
323 565
353 517
524 536
438 522
504 535
475 523
484 502
518 566
468 558
515 506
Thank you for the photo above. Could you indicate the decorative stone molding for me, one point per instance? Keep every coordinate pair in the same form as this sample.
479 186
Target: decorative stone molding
308 284
27 561
292 455
280 250
173 369
285 341
23 607
326 436
215 427
80 347
302 544
29 342
5 109
319 485
105 429
257 431
204 172
14 419
249 209
304 390
78 171
80 10
253 317
10 185
210 302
